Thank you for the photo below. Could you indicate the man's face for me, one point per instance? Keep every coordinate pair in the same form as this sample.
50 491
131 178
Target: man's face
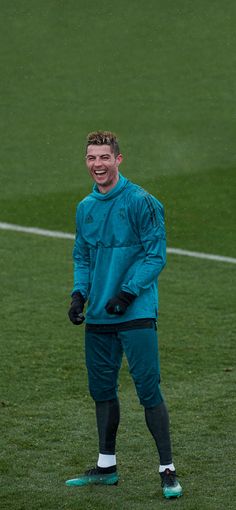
103 166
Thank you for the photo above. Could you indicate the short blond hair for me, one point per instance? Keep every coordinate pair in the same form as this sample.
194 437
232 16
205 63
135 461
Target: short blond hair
104 138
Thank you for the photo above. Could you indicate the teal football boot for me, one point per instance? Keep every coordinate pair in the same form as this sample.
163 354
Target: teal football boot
95 476
171 487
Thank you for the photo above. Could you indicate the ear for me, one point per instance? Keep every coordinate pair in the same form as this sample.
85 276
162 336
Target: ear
119 159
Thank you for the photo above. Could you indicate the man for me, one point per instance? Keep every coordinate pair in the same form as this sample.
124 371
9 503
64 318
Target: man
119 251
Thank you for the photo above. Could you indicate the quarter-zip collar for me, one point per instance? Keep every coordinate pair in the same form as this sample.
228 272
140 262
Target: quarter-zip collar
114 191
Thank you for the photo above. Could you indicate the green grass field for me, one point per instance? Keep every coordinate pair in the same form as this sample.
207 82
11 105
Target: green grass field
163 76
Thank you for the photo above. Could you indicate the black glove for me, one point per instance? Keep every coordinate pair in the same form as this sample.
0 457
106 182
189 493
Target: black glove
76 310
119 304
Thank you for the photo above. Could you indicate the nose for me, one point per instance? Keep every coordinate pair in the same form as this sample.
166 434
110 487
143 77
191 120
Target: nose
97 162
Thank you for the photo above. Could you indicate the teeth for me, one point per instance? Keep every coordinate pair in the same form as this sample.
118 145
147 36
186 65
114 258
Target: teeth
100 172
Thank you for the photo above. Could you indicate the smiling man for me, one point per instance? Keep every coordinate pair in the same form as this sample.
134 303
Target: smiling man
119 252
103 165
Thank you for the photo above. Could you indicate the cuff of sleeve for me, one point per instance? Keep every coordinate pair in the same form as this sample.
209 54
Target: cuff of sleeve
133 292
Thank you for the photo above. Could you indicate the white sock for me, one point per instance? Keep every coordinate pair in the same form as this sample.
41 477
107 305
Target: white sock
162 468
105 461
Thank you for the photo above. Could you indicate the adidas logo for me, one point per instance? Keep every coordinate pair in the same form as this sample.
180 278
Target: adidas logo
89 219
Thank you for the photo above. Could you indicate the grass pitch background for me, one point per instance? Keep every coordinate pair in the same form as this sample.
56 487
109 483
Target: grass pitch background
162 75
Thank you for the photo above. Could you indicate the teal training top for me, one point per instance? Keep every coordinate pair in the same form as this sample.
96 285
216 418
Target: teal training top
120 244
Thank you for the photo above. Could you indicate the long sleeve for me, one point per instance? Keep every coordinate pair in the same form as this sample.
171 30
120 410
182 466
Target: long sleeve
148 220
81 262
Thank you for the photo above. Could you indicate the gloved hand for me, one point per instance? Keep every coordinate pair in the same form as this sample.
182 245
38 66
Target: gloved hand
119 304
76 310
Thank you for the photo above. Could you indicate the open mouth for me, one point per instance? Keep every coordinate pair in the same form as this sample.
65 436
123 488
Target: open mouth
100 172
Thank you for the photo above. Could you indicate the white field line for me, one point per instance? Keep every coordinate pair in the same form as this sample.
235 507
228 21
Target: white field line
36 231
65 235
199 255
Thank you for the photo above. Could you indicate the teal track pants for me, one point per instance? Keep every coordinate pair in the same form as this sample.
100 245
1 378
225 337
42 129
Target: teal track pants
104 352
